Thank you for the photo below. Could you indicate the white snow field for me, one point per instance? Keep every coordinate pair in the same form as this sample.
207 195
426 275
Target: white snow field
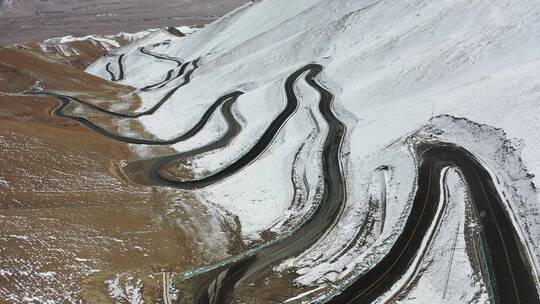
391 65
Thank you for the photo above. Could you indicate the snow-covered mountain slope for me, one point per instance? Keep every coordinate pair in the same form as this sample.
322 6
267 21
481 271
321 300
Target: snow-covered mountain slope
392 66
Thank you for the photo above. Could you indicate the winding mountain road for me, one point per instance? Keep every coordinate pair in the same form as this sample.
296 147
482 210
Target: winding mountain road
150 111
258 148
512 277
218 286
120 68
169 76
513 280
152 171
66 101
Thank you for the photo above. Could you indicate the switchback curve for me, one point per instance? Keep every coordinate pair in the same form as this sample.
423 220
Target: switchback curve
513 279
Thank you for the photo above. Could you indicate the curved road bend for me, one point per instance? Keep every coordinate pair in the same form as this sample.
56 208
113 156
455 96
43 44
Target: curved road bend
260 146
159 56
120 67
217 286
65 102
111 74
512 279
148 171
169 77
152 110
158 84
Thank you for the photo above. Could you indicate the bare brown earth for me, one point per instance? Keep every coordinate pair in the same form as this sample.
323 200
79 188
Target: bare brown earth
67 211
82 53
20 70
36 20
70 222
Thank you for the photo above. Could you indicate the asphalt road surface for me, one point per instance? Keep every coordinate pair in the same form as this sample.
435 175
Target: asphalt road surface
512 279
